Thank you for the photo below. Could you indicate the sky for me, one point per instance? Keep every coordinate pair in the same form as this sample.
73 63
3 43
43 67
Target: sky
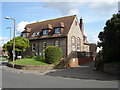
94 13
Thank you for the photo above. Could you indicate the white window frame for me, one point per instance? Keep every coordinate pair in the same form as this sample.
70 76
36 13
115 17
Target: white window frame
45 32
44 46
57 43
34 34
24 35
73 44
78 44
57 31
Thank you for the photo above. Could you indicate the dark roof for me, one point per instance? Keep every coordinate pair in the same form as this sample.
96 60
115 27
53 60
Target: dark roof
38 26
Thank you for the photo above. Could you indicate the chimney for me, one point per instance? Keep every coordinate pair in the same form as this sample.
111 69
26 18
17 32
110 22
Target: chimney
81 25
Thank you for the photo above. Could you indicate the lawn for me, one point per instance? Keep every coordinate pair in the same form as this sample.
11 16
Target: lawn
29 62
3 59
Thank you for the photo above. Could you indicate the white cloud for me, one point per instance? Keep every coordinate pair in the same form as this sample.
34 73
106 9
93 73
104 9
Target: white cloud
74 12
66 8
3 40
93 39
21 26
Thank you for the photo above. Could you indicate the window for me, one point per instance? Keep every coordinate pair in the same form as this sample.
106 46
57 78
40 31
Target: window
24 35
44 46
35 34
57 30
45 32
33 47
38 33
78 44
57 43
73 43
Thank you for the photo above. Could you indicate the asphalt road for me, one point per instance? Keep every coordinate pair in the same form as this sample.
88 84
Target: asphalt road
20 80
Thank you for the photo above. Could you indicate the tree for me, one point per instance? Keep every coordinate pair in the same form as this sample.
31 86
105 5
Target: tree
109 39
20 45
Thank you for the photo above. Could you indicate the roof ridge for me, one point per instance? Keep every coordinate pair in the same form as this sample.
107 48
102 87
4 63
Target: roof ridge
52 19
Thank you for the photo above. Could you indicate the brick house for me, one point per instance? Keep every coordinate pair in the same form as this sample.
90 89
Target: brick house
65 32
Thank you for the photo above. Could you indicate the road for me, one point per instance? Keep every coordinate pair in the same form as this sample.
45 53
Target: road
20 80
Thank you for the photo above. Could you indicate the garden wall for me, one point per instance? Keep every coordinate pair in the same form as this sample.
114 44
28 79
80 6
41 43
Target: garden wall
112 69
32 67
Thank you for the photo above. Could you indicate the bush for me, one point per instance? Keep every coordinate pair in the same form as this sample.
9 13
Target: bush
53 54
29 56
39 58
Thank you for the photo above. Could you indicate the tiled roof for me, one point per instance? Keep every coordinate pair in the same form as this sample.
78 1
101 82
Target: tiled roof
38 26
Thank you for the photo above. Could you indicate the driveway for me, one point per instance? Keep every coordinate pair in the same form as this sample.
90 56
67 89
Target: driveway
85 71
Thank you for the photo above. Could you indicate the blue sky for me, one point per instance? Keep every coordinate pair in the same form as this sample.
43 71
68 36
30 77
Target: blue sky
93 13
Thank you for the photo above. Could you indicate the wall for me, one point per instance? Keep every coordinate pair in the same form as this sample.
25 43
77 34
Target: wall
49 42
112 69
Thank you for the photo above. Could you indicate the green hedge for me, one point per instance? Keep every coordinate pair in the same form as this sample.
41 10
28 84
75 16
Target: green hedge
53 54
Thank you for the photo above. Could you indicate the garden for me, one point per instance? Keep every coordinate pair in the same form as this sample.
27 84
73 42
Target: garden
21 44
36 61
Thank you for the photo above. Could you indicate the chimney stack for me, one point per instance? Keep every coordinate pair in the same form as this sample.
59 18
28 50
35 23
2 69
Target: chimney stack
81 25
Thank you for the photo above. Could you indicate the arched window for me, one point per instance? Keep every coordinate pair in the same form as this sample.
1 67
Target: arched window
57 43
78 44
73 43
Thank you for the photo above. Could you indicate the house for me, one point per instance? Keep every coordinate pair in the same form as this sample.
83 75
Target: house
65 32
3 52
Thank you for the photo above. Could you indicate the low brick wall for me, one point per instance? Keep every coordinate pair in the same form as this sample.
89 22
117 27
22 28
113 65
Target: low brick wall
32 67
84 60
112 69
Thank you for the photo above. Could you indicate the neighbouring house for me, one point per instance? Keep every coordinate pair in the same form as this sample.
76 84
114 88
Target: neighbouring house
3 52
66 32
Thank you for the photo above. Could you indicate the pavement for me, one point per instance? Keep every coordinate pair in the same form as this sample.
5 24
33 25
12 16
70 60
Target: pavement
85 71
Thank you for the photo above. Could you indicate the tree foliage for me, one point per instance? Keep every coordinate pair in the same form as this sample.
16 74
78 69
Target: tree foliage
20 45
110 39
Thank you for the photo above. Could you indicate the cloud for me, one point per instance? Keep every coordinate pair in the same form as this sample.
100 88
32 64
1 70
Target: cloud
21 26
66 8
74 12
3 40
103 7
93 39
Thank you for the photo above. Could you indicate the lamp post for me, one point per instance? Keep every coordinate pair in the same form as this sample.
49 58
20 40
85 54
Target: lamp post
10 31
13 51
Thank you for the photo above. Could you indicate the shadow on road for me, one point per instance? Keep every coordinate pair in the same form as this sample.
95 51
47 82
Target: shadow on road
85 71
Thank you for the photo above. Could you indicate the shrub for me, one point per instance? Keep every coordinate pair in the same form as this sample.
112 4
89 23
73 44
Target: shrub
39 58
29 56
53 54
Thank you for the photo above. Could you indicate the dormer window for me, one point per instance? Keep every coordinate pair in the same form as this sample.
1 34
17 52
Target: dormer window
38 33
35 34
24 35
57 30
45 32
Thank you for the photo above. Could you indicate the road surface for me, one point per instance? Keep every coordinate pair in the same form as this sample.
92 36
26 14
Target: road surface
20 80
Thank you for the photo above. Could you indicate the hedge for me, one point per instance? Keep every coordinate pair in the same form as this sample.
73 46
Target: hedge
53 54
